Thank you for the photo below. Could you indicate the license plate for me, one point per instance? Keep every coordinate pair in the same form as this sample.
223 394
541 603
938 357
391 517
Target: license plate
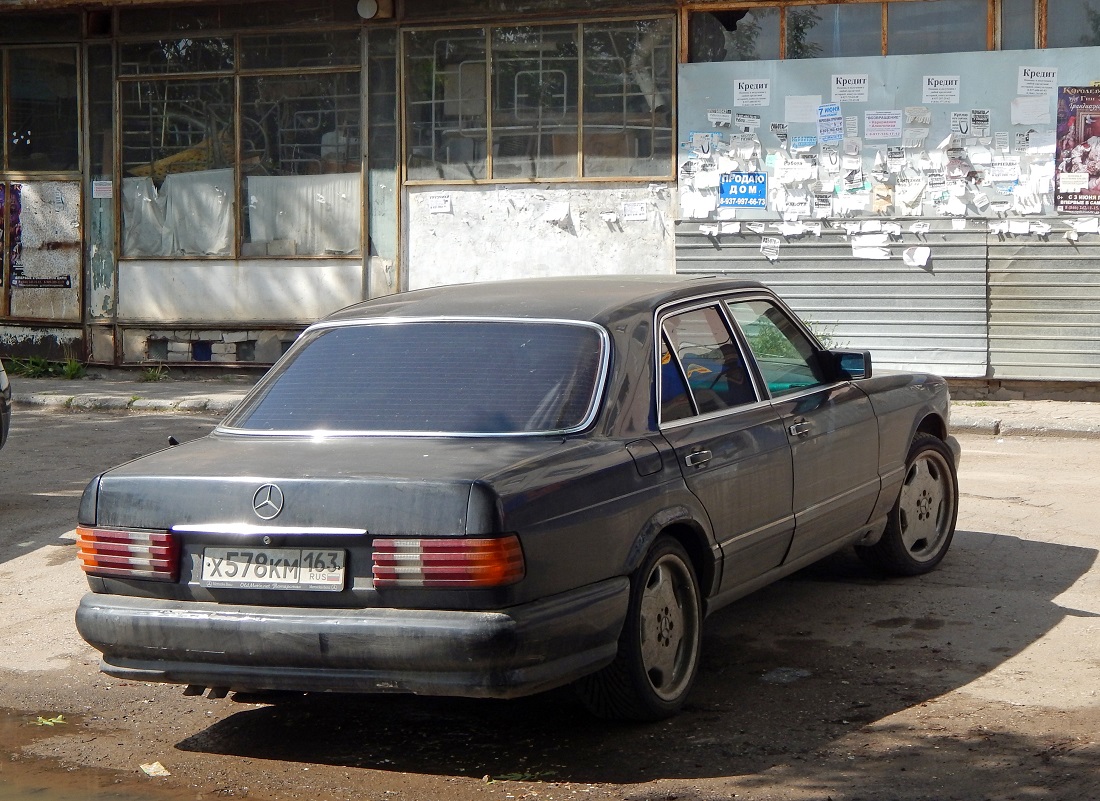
273 569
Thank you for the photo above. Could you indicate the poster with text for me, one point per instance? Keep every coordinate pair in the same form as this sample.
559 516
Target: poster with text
1077 156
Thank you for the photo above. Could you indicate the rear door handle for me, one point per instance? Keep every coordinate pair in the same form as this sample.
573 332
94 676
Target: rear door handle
800 429
698 459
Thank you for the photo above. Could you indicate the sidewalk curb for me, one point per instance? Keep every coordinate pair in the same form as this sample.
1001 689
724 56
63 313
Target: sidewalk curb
1001 428
114 403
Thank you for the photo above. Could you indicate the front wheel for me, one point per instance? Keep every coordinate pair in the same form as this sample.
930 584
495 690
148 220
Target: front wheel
922 522
659 646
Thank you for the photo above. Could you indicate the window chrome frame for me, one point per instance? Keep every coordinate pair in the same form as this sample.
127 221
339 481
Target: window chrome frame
595 403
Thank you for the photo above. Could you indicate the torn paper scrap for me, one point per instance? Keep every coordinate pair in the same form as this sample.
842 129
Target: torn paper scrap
916 256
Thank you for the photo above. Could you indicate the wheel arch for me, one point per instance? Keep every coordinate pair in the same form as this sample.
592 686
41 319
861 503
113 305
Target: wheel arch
932 423
681 524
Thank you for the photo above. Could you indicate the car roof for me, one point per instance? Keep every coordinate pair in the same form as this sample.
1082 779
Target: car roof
586 298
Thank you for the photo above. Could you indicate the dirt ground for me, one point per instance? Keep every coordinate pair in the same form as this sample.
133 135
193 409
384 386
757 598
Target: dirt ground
979 681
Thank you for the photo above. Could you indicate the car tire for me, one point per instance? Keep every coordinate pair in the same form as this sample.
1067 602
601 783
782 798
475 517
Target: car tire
658 653
922 523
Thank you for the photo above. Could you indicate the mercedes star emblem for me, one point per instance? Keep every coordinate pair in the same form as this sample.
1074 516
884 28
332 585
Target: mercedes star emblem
268 501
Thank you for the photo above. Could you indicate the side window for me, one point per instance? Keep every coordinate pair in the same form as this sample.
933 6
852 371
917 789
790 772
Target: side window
786 357
675 402
697 349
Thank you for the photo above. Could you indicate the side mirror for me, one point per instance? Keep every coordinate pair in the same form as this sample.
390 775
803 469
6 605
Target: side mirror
851 365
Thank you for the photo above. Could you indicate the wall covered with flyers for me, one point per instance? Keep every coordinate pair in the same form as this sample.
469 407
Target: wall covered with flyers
939 209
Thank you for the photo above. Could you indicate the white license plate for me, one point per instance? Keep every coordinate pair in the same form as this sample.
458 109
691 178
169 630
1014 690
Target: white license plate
273 569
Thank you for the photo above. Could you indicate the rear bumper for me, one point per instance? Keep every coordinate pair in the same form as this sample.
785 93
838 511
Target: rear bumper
496 654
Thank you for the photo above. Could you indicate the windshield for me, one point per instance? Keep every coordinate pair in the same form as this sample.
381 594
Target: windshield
452 376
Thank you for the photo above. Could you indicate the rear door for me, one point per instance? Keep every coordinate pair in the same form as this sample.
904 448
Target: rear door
729 441
831 427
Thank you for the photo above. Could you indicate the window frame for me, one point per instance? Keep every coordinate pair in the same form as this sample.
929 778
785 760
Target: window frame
748 360
232 423
993 36
487 30
239 75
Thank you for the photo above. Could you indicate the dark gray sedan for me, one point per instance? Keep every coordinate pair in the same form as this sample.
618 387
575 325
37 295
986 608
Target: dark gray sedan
495 489
5 405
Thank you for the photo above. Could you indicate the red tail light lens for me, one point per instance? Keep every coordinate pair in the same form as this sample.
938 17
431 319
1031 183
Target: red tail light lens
127 553
458 563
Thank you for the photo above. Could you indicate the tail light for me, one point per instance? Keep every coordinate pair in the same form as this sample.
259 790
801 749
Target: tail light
128 553
459 563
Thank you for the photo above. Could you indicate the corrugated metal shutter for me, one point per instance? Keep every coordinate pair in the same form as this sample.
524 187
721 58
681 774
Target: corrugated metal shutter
1045 307
910 318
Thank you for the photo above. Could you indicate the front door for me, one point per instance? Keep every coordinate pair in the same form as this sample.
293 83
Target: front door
831 427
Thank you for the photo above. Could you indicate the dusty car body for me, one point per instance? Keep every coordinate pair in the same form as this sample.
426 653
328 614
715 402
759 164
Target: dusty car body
5 405
492 490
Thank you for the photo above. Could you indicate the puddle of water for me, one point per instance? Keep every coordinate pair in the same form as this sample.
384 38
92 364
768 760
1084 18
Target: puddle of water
44 792
41 780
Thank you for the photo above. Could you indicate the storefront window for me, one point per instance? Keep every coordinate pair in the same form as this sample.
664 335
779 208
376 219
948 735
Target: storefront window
177 157
300 157
841 30
1073 23
734 35
828 31
1017 24
535 101
279 130
936 26
628 98
23 28
446 104
536 128
39 111
174 56
281 51
190 18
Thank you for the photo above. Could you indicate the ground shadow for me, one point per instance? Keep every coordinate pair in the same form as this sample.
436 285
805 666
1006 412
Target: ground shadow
788 674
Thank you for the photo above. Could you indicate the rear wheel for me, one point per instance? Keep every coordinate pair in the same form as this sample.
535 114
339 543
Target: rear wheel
659 646
922 522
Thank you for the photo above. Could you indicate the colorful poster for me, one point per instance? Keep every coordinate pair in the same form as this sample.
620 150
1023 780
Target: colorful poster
1077 158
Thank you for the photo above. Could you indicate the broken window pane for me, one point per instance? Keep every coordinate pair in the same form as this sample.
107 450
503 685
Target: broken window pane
42 120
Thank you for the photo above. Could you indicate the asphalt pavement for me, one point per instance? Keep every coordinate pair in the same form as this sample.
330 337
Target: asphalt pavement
122 391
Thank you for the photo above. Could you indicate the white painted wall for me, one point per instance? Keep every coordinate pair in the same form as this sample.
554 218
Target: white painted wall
486 233
242 292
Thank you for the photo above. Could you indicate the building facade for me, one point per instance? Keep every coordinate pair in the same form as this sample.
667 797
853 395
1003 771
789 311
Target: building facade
193 183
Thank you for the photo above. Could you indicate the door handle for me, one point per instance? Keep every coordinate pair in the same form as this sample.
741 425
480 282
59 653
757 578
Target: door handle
697 459
800 429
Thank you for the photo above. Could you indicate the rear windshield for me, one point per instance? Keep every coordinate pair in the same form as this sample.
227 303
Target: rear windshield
472 377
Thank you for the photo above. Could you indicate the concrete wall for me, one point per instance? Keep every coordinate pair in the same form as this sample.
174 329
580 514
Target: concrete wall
220 292
477 233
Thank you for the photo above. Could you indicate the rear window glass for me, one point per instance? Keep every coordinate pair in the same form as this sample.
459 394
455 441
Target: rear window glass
473 377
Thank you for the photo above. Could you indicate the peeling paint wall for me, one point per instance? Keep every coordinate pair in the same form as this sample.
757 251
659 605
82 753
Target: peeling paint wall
101 257
477 233
45 280
47 342
242 292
